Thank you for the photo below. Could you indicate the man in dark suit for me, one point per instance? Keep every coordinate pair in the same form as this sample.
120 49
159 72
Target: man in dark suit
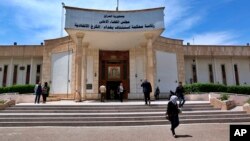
180 94
147 89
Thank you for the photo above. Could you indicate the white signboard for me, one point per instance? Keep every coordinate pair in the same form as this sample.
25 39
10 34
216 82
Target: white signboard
98 20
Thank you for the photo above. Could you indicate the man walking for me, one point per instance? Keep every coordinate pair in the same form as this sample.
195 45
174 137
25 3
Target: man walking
147 89
180 93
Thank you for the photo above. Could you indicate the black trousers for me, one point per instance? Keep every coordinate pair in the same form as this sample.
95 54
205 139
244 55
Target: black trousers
181 101
174 122
121 96
37 99
44 98
146 97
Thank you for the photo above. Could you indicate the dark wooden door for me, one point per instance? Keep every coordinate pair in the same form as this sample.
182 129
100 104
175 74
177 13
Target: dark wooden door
114 69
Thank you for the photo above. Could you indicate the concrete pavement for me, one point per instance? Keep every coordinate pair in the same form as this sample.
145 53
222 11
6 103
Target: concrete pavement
186 132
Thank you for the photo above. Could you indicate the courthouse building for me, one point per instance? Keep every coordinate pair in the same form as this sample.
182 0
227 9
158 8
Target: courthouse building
109 47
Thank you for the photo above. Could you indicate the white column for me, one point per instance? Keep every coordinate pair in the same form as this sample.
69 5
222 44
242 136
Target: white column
150 62
84 69
78 66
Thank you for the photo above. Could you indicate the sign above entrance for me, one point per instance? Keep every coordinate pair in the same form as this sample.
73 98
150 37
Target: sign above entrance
116 21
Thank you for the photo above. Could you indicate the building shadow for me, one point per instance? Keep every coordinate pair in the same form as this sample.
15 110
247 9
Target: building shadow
184 136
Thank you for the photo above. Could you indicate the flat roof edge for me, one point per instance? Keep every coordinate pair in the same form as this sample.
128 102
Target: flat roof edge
99 10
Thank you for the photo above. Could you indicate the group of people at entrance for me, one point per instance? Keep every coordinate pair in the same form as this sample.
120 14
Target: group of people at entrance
120 92
41 90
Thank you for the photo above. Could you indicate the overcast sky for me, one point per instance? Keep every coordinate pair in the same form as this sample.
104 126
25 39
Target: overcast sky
195 21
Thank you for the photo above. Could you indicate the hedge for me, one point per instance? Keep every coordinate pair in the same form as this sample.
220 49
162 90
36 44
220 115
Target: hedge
21 89
209 87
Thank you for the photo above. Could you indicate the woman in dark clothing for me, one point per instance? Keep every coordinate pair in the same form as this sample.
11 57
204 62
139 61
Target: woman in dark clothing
45 92
172 112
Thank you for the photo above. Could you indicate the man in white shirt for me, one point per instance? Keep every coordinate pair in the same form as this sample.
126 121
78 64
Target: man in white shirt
121 91
103 92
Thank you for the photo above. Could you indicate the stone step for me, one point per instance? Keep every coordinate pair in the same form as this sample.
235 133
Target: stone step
104 108
112 115
121 123
97 110
90 115
110 106
111 118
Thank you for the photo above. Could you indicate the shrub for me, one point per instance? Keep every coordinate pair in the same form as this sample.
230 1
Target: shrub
2 101
21 89
209 87
206 87
224 96
238 89
248 101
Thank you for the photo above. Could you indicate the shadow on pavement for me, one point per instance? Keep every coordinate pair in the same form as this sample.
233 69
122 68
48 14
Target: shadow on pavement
184 136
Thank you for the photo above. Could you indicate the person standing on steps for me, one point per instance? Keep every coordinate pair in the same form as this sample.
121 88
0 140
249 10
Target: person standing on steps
147 89
45 92
103 92
180 94
121 91
38 92
172 113
157 93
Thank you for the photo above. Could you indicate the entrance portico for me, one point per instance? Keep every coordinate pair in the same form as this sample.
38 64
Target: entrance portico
118 32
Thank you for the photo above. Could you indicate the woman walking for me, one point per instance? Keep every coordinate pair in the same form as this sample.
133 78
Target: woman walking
172 113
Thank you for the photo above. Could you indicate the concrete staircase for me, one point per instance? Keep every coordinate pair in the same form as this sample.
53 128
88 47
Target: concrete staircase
112 115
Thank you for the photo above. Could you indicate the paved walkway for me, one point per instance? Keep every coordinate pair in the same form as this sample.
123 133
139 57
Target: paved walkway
193 132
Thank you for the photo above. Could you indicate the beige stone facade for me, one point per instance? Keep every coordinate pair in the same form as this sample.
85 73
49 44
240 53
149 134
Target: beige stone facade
65 44
74 65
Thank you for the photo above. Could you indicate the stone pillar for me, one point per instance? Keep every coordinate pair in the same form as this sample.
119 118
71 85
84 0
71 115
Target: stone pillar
84 69
78 66
150 63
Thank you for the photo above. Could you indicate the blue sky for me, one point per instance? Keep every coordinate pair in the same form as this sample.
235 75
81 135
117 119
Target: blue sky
215 22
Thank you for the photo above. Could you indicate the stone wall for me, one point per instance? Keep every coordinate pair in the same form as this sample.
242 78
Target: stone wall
175 46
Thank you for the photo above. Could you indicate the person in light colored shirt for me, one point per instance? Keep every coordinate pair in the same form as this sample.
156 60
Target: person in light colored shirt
103 92
121 91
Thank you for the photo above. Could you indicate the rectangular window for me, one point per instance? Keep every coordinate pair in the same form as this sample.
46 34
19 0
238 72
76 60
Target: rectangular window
38 73
194 73
236 74
27 75
15 74
211 75
5 75
224 76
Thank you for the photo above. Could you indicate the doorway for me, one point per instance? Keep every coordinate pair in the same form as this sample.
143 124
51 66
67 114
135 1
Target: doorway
113 70
112 90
